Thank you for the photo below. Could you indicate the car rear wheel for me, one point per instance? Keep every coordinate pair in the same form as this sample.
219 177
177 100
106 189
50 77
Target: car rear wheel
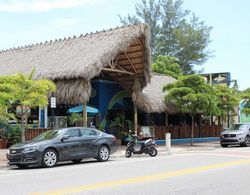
103 153
49 158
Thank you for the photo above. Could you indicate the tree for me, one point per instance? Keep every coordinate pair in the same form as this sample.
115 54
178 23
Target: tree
22 91
149 13
190 94
167 65
174 31
75 118
245 96
227 100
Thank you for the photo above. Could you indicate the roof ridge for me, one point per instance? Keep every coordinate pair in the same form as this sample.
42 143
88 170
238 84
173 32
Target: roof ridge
64 39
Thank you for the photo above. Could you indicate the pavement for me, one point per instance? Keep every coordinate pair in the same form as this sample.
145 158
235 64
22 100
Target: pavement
176 148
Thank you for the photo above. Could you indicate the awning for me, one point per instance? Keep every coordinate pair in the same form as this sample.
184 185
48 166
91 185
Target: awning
90 110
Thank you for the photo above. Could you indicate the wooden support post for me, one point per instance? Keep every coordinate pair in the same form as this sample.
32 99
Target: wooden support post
85 116
135 120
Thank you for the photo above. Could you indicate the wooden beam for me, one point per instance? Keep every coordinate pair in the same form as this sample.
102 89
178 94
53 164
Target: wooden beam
140 43
130 61
118 71
135 120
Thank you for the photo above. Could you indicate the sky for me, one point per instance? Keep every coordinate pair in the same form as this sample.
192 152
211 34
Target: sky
24 22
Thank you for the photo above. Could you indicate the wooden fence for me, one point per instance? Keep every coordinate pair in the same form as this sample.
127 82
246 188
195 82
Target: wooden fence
179 132
31 133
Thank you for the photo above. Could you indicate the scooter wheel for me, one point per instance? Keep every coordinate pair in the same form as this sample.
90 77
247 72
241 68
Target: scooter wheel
128 153
153 152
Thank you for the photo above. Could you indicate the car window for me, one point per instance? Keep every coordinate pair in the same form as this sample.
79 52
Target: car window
73 133
89 132
237 127
51 134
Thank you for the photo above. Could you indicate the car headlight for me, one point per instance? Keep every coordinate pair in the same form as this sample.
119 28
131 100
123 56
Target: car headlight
30 149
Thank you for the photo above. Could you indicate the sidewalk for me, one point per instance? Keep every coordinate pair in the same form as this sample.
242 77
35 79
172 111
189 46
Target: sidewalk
175 148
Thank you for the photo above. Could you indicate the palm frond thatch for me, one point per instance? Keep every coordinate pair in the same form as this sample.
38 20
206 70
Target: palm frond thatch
151 99
83 58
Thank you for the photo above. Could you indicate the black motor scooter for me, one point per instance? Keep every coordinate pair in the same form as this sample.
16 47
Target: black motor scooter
138 146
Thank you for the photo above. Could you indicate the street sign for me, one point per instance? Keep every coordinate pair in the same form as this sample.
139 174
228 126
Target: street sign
53 102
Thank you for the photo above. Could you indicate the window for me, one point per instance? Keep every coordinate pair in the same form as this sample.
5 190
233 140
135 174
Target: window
89 132
73 133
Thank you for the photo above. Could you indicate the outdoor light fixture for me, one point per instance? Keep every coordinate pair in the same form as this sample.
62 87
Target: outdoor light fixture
235 86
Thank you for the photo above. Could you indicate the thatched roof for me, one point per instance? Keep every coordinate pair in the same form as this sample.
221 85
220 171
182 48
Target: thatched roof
122 54
151 99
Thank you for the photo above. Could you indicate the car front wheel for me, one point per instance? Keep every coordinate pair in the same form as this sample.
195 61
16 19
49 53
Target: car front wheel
224 145
49 158
247 141
103 154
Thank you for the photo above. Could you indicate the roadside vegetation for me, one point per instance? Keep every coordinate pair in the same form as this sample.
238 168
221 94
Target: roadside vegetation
19 93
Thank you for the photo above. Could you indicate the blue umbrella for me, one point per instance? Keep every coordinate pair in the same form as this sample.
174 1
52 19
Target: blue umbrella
90 110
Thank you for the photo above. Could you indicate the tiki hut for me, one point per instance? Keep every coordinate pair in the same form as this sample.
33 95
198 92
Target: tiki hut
151 98
122 54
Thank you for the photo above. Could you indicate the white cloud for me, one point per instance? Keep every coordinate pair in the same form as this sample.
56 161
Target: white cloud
64 22
41 5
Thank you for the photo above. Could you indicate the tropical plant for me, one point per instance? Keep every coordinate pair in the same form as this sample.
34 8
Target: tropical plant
245 96
190 94
75 119
227 100
11 132
167 65
23 92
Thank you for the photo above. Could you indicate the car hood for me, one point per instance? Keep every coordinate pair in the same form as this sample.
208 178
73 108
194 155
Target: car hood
233 132
29 144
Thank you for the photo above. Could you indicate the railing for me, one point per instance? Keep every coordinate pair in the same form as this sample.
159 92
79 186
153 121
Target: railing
31 133
179 132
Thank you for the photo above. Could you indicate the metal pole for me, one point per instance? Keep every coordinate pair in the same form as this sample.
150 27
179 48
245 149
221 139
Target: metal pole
52 118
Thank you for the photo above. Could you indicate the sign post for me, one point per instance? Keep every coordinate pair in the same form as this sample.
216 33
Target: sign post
52 106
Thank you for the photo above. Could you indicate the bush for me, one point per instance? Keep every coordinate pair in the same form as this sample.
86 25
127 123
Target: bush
11 132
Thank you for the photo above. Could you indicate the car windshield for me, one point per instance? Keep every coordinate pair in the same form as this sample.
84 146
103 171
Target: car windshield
237 127
51 134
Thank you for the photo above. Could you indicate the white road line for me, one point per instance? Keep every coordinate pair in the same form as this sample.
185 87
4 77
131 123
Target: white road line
214 154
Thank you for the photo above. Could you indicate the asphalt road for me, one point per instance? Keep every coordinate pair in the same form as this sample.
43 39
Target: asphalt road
213 171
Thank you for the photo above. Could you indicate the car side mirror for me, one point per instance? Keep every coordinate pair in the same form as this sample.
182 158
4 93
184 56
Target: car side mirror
64 137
